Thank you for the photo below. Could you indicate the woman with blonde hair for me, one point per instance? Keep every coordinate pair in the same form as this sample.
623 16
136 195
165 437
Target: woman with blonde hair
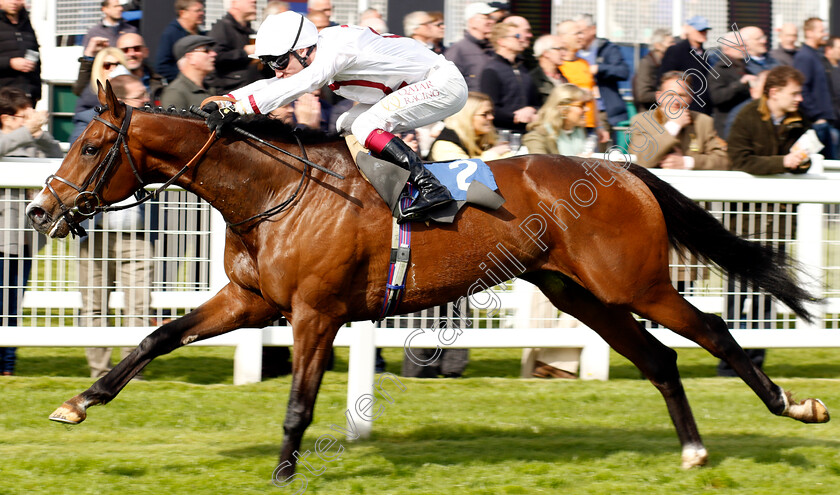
560 124
469 133
108 62
104 63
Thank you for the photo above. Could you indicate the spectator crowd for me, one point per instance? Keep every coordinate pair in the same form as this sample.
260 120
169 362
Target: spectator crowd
732 105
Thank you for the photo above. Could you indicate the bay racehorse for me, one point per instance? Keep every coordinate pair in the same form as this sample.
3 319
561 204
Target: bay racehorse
594 238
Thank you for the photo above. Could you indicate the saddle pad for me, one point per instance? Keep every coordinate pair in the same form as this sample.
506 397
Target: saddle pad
469 181
458 176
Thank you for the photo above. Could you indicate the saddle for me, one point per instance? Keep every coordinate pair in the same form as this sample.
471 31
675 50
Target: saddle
468 181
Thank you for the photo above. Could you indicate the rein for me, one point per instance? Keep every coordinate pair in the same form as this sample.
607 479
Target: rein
305 160
282 206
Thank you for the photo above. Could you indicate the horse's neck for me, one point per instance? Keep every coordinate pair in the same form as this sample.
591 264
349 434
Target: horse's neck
240 178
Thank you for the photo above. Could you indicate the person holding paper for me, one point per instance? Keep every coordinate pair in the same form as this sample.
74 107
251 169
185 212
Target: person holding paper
769 136
764 136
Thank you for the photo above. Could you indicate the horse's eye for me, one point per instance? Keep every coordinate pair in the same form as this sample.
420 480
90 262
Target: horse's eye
90 150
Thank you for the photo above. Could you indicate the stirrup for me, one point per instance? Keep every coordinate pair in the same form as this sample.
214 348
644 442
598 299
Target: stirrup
421 214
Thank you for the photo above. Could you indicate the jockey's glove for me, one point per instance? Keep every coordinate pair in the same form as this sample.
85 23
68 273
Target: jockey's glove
219 119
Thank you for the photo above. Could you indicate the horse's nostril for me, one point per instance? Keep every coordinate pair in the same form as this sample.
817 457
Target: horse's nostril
37 213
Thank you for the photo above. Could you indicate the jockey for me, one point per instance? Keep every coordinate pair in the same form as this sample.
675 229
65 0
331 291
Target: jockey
398 83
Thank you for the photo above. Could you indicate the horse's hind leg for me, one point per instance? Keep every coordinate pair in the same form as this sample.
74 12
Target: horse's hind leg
624 334
666 306
232 308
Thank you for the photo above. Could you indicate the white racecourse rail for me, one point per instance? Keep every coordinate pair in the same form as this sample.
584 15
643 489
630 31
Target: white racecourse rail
815 244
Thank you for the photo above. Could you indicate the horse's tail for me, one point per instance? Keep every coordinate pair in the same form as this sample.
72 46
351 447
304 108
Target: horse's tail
693 228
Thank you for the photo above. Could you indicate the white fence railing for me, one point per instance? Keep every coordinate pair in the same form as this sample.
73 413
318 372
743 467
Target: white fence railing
52 307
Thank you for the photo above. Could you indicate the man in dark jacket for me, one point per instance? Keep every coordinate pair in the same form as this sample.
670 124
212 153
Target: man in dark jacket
732 86
232 33
472 53
506 80
20 65
755 41
112 25
190 17
549 50
788 35
609 67
646 79
817 105
680 57
765 130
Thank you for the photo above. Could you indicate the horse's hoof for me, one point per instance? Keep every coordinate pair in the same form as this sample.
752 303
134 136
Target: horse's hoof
69 412
693 457
807 411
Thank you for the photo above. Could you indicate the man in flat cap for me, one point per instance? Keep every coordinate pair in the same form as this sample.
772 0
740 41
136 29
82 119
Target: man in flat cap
196 60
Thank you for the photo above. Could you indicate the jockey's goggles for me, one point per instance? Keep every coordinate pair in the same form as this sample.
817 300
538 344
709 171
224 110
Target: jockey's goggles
276 62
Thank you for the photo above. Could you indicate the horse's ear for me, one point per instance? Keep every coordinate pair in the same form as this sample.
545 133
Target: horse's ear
108 98
100 93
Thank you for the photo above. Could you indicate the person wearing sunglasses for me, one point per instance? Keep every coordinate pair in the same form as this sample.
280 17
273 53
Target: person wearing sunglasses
419 25
196 56
97 71
136 57
399 85
135 53
506 80
549 51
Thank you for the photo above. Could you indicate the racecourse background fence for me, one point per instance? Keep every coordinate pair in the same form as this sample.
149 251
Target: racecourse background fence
798 213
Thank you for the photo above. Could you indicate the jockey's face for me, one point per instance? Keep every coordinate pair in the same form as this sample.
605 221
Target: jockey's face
294 64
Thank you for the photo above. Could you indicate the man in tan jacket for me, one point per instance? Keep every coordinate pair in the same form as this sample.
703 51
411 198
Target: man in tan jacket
671 136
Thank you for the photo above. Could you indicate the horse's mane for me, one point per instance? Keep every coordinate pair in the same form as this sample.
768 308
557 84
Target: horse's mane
261 125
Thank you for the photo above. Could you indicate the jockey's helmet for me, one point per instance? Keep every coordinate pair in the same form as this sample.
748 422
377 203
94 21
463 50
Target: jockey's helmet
282 33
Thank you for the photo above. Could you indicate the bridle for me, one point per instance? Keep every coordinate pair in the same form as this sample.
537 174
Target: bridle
89 203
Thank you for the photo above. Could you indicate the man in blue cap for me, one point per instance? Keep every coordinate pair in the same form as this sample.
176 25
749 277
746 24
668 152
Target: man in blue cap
690 54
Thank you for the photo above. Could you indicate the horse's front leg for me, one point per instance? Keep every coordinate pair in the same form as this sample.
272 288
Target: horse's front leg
314 333
232 308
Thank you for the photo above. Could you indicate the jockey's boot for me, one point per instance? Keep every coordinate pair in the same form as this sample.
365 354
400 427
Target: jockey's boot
432 194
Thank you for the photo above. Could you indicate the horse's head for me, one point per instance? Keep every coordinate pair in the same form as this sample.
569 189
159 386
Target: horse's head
99 170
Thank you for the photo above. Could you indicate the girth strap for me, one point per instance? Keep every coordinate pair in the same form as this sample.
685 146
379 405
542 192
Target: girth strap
398 267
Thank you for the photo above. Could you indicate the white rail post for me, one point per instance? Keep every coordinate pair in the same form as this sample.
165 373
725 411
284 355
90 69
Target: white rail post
247 359
218 229
595 359
360 372
809 246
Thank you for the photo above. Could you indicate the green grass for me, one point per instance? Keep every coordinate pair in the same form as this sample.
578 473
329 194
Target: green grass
188 430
